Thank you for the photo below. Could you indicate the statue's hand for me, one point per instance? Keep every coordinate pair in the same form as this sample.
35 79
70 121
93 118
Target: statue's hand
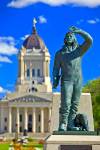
56 81
54 86
74 29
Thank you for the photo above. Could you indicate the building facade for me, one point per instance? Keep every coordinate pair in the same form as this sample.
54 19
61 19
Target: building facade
29 107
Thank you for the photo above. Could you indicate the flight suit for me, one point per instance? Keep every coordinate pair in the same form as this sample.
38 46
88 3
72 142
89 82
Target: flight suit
67 66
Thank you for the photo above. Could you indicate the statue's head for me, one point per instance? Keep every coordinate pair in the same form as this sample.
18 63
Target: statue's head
70 39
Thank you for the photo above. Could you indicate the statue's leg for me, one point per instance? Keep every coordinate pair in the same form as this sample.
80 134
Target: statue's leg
77 88
66 95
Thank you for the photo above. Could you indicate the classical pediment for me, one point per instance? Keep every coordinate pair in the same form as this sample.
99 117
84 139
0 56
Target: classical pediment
30 98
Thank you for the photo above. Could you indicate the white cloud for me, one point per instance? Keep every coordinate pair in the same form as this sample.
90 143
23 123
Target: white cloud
2 90
24 37
42 19
5 59
90 21
24 3
7 46
93 21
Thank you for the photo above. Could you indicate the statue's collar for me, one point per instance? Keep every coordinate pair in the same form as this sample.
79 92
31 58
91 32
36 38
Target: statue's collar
68 49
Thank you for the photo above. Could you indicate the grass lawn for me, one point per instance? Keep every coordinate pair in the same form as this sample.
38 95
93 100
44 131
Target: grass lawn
32 143
5 146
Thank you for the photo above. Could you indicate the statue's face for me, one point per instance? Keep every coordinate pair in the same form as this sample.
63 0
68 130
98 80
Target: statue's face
69 38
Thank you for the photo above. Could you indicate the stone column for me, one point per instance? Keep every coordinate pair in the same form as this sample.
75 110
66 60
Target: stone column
21 63
30 70
42 120
10 120
17 120
49 113
25 119
47 68
49 121
1 119
25 70
34 120
44 69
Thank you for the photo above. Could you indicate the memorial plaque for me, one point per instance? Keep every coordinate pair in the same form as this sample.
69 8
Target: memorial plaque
75 147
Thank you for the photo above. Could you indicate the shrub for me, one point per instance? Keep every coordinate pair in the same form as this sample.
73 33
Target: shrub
30 139
41 141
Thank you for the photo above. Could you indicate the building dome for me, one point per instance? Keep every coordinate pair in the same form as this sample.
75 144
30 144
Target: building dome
34 41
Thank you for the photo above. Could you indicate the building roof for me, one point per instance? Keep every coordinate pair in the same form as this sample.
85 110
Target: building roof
34 41
30 98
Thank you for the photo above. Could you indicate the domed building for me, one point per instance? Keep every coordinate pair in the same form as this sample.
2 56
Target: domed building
29 107
34 60
33 106
34 42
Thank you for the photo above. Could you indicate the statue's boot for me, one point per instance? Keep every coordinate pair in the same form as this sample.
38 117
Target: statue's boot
62 120
62 127
73 129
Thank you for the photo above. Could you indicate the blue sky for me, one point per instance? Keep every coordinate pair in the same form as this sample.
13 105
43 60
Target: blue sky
54 17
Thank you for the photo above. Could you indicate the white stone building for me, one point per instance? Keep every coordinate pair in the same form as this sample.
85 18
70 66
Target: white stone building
31 105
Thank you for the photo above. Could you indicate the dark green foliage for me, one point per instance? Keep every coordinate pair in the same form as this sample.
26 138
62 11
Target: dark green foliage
94 88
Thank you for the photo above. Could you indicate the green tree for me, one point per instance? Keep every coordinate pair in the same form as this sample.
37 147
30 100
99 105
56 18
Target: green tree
93 87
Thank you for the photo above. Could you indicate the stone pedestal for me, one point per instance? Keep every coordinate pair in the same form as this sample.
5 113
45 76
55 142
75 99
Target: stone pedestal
85 107
72 142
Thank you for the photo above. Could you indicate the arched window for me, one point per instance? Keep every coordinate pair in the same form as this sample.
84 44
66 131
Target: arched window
28 73
38 72
33 72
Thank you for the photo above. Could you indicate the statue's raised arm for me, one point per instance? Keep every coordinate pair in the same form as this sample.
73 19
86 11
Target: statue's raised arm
87 37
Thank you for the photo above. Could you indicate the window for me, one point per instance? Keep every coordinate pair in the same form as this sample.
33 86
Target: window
5 128
39 119
28 73
33 72
20 118
39 129
20 129
5 119
30 118
38 72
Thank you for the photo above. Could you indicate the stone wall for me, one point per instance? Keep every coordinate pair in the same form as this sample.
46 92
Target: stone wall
85 108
